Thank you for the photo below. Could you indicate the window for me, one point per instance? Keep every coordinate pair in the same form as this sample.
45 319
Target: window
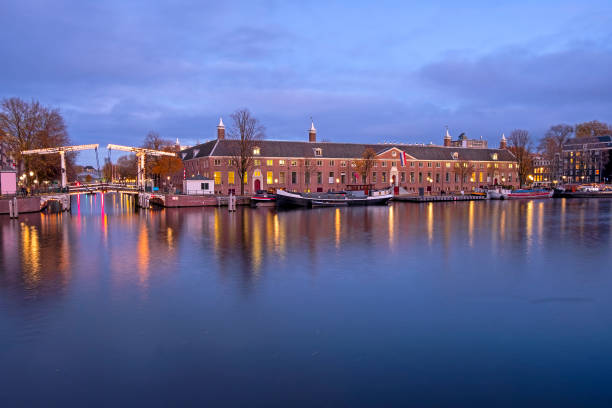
281 177
392 164
373 177
331 163
438 165
319 163
412 176
496 166
204 186
245 179
403 177
319 177
384 164
257 173
375 164
342 178
394 153
343 163
437 177
494 156
455 155
420 164
281 162
293 163
256 151
447 177
307 178
411 164
318 152
217 162
384 176
480 177
293 177
270 177
269 162
420 177
230 177
257 162
510 166
428 164
330 180
218 177
447 165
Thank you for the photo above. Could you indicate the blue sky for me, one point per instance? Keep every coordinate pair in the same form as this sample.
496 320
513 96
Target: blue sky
365 71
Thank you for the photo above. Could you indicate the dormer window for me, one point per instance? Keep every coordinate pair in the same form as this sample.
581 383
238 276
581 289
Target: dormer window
494 156
195 152
318 152
455 155
256 151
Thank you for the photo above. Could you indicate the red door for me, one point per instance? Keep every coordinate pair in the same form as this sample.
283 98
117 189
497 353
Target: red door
257 184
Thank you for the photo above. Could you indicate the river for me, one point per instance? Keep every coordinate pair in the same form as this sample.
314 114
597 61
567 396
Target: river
498 303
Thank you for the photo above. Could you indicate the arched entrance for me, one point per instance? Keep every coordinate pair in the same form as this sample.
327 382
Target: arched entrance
257 181
257 184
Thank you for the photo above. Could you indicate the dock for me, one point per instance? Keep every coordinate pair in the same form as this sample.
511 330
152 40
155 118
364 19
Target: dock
431 198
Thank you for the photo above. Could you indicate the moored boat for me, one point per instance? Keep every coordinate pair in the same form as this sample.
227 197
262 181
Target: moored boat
349 198
529 193
497 193
263 199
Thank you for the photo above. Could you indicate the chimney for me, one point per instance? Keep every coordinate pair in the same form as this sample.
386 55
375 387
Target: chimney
447 139
220 130
503 144
312 133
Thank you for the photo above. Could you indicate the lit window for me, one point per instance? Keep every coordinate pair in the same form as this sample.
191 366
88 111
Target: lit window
281 162
218 177
510 166
256 151
230 177
494 156
257 162
455 155
269 162
257 173
269 177
293 163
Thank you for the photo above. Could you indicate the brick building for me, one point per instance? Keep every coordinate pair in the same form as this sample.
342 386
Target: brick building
587 159
325 166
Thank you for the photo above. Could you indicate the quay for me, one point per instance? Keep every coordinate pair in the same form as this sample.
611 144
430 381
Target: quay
426 199
53 203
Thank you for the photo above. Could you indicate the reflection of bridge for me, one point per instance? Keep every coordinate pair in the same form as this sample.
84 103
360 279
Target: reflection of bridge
103 188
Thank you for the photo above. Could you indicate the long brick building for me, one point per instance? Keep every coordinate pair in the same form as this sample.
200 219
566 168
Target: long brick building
326 166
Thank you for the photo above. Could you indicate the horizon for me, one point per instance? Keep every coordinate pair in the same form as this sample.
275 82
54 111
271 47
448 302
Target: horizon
392 72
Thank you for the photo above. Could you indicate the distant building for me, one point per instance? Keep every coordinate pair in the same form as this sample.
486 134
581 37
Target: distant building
198 185
463 141
587 159
306 166
542 170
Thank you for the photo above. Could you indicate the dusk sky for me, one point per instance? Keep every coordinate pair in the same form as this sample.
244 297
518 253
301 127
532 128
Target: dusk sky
365 71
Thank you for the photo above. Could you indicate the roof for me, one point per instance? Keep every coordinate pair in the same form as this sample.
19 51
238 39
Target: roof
197 177
593 142
330 150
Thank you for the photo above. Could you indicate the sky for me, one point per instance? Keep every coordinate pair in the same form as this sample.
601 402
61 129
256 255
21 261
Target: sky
366 71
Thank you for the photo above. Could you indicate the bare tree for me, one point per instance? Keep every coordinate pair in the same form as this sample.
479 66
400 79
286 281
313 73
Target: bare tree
593 128
26 126
246 132
161 166
551 146
365 164
521 147
464 169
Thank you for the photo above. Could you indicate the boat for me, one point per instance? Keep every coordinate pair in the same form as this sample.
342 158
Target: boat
529 193
497 193
263 199
348 198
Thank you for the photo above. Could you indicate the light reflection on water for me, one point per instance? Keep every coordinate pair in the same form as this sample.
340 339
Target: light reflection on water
491 301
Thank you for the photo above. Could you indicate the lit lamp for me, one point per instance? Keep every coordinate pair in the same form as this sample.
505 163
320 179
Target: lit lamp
337 181
275 181
31 173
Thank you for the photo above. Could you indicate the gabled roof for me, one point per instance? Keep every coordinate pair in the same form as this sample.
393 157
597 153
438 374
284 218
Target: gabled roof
288 149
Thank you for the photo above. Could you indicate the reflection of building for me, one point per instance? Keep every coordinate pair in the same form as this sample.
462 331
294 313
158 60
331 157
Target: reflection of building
587 159
6 160
323 166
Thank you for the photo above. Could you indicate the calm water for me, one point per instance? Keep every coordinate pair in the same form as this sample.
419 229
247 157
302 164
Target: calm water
445 304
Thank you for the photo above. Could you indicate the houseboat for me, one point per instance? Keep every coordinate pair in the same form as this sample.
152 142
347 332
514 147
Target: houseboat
337 199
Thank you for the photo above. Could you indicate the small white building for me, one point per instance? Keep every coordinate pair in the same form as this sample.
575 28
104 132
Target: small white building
8 181
198 185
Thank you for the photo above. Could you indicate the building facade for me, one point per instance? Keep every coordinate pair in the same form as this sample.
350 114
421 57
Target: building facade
311 166
542 170
587 160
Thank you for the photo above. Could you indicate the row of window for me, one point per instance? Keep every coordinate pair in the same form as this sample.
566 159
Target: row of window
344 163
281 178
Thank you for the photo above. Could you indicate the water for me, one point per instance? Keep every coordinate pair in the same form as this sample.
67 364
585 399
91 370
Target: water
440 304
